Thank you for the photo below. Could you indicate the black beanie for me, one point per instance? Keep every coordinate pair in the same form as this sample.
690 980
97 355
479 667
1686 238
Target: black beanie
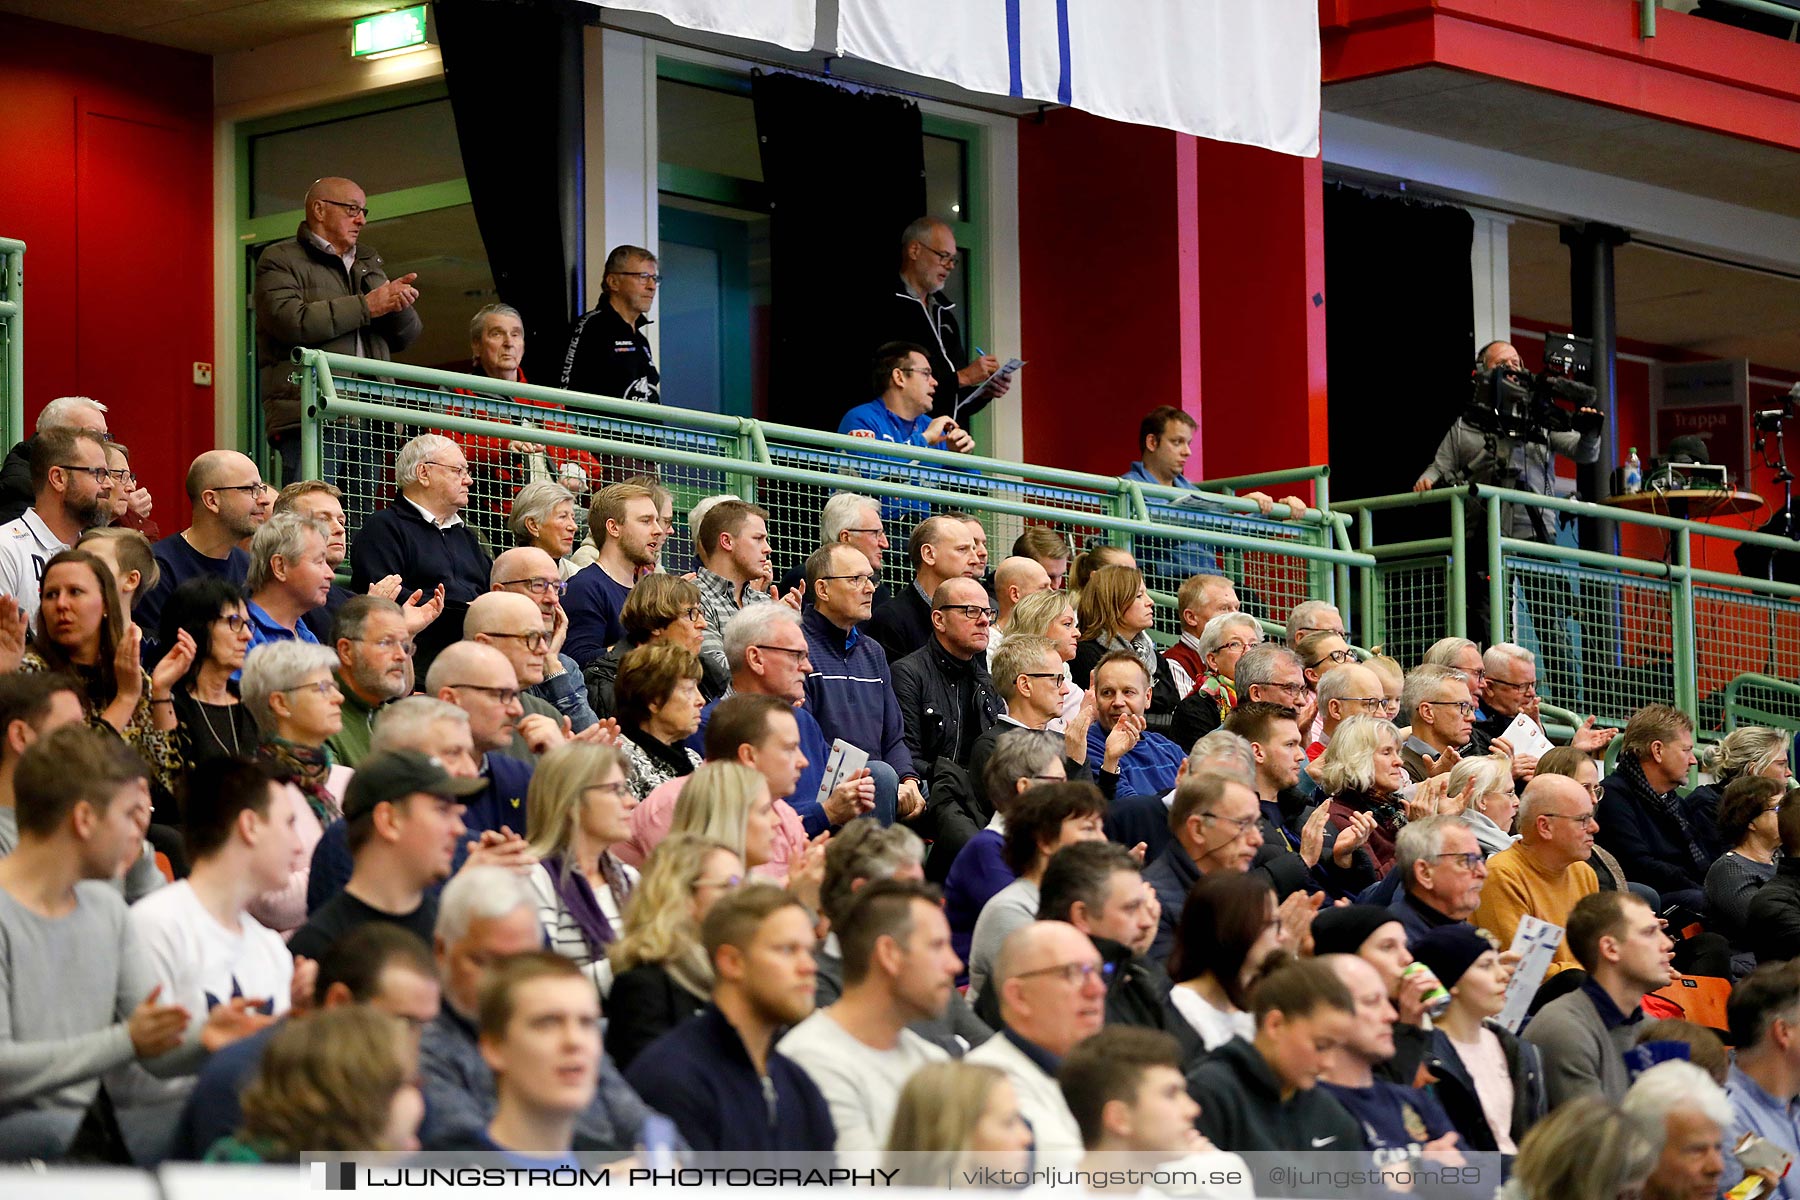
1450 950
1344 930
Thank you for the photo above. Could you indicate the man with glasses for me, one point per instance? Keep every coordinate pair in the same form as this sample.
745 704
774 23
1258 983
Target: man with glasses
1442 870
374 649
916 311
230 502
1215 823
64 412
1546 871
1512 679
512 625
1051 982
530 572
939 548
946 698
1266 672
71 493
903 384
608 353
327 291
421 538
480 680
1349 690
1437 704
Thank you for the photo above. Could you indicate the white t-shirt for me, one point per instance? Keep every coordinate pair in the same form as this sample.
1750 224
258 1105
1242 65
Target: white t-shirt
1214 1027
860 1083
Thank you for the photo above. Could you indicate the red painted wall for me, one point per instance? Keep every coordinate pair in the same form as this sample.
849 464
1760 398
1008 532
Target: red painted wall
106 175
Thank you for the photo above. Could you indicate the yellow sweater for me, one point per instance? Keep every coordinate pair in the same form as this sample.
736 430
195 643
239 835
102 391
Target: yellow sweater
1517 886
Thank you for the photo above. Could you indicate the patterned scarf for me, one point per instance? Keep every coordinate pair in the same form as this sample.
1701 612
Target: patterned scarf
578 897
1143 645
307 768
1666 803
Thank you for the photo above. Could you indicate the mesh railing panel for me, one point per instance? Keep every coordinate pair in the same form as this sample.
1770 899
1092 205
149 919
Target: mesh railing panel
1410 599
1756 702
1737 633
1604 640
1268 583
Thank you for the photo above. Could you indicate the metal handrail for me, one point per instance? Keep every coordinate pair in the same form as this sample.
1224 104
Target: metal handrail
12 334
1647 12
1736 709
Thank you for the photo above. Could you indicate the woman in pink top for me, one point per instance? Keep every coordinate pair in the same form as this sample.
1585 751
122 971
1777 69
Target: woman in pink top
728 803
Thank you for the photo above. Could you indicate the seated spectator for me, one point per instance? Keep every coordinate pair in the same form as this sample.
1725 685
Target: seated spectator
1126 1091
1313 616
403 823
1266 672
1051 985
1749 823
1144 819
622 520
290 692
543 518
729 803
1032 687
1049 549
1437 705
1393 682
1202 599
319 501
1400 1123
1228 934
1014 579
81 633
947 700
375 667
854 520
1259 1094
1585 1150
82 801
1489 1082
1752 751
1052 615
731 543
661 610
67 413
1764 1080
1322 652
1372 933
1145 761
719 1076
421 538
204 945
1293 857
72 493
1583 1035
1346 690
339 1081
541 1092
1772 919
481 682
1493 800
210 717
1442 870
850 690
1583 769
940 549
528 572
1511 673
1116 617
661 975
1545 873
229 502
579 805
659 705
1681 1101
752 731
1464 656
1220 646
487 915
1096 556
1361 772
1022 759
955 1117
897 968
608 353
1214 823
1039 823
513 625
1641 818
901 412
30 707
288 578
126 554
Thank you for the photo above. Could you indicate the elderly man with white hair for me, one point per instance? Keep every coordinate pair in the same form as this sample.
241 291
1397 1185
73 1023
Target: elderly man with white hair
421 538
64 412
854 520
1512 677
1681 1101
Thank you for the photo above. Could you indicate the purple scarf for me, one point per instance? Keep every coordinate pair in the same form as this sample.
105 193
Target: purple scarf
577 896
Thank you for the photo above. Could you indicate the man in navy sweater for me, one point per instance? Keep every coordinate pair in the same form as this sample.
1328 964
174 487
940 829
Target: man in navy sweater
718 1075
422 539
230 503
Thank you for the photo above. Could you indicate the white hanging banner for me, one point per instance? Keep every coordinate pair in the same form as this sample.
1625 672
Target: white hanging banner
788 23
1230 70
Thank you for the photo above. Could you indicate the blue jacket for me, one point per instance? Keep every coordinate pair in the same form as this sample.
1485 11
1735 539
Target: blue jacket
1149 770
876 418
852 695
1169 557
700 1075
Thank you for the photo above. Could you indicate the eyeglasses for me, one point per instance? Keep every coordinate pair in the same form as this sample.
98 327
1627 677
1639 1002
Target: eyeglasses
325 687
1040 675
1585 818
1464 707
1241 824
798 654
1337 656
355 210
121 474
616 789
1528 688
1048 778
864 580
652 276
948 257
1076 972
233 621
1370 703
875 529
1235 644
100 475
535 641
538 586
1286 689
462 472
973 612
693 612
255 489
1469 859
388 645
925 371
503 694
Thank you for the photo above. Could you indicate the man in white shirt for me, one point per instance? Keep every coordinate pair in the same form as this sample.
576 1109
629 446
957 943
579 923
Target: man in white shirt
71 491
898 968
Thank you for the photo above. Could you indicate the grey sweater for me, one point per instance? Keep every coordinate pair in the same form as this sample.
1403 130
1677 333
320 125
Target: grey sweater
63 1014
1581 1055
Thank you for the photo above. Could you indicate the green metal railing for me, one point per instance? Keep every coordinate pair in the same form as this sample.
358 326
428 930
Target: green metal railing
12 341
1612 632
1757 699
1647 12
359 412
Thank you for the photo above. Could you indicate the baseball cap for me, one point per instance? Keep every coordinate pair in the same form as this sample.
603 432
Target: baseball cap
397 774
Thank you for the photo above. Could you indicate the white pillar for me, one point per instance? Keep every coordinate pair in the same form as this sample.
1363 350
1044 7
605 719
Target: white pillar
620 152
1490 266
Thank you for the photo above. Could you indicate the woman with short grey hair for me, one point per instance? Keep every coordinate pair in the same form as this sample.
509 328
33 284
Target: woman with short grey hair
544 515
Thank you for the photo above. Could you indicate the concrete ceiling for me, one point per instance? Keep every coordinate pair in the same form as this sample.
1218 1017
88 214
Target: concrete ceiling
204 26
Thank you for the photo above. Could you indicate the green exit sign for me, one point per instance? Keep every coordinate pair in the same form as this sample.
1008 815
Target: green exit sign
388 33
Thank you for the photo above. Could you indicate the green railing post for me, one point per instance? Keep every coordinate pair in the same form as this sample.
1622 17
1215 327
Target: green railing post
1371 611
315 381
12 333
1647 18
1497 589
1131 504
1457 594
1681 627
759 452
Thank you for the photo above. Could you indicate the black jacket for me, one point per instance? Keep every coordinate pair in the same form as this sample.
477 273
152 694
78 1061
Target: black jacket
1241 1107
1194 718
945 703
645 1003
1648 843
1702 808
1455 1088
902 625
1773 927
607 357
1171 875
399 541
15 482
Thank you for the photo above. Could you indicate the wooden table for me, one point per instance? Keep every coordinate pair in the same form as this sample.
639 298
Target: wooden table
1698 504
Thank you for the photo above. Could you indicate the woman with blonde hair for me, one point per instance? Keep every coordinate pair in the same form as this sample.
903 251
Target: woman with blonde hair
954 1116
344 1079
1588 1151
730 804
661 975
578 806
1493 799
1051 615
1116 614
1751 752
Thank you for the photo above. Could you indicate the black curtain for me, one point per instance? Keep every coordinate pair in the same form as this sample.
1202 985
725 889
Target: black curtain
845 174
1399 338
515 80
